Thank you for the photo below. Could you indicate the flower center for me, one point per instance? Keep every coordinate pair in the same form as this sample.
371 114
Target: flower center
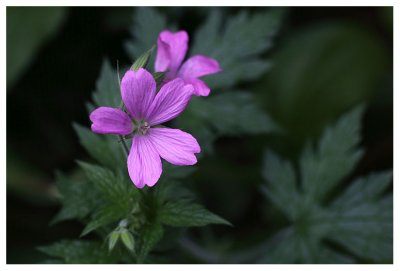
144 127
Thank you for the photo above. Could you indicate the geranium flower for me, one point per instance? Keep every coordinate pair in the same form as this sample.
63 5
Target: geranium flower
171 50
146 109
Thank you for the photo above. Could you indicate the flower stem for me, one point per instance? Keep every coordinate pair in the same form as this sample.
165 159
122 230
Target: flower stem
125 147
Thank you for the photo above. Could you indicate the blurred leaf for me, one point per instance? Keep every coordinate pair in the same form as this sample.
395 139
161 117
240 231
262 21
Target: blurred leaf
359 221
27 29
233 113
127 239
113 239
320 72
103 148
149 237
239 45
147 24
107 91
281 185
336 156
142 60
80 252
77 197
187 214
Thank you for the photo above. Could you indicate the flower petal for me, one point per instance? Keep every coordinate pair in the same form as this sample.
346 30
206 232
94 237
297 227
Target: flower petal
144 162
170 101
199 87
171 50
107 120
174 145
198 66
138 90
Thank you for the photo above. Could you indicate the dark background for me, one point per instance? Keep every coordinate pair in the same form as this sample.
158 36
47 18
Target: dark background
50 91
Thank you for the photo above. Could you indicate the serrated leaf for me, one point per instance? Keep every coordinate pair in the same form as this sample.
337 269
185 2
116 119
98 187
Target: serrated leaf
281 185
118 193
359 221
149 237
187 214
334 158
147 24
105 215
239 57
107 87
142 60
77 197
116 188
127 239
364 189
233 113
106 149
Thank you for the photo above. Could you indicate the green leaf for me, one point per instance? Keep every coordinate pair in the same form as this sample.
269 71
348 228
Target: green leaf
147 24
184 213
149 237
117 191
359 221
336 156
281 185
80 252
77 197
364 189
142 60
105 215
107 87
238 46
106 149
113 239
127 239
233 113
115 187
159 77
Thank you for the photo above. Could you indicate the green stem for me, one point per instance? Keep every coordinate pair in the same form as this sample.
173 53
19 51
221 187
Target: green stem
125 147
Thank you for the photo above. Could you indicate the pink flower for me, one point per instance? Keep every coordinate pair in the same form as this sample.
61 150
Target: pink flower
171 50
145 110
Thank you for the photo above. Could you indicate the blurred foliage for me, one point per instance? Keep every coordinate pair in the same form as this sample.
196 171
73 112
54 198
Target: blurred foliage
359 220
27 29
331 61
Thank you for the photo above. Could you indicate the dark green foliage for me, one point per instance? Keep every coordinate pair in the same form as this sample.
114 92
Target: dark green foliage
185 213
78 198
321 71
81 252
238 45
358 221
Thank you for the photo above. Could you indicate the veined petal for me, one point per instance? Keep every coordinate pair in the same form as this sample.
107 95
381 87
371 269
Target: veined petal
170 101
199 87
171 50
138 90
198 66
174 145
144 162
107 120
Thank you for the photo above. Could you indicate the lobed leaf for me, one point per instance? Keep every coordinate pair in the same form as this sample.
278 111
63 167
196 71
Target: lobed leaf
238 45
77 197
103 148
